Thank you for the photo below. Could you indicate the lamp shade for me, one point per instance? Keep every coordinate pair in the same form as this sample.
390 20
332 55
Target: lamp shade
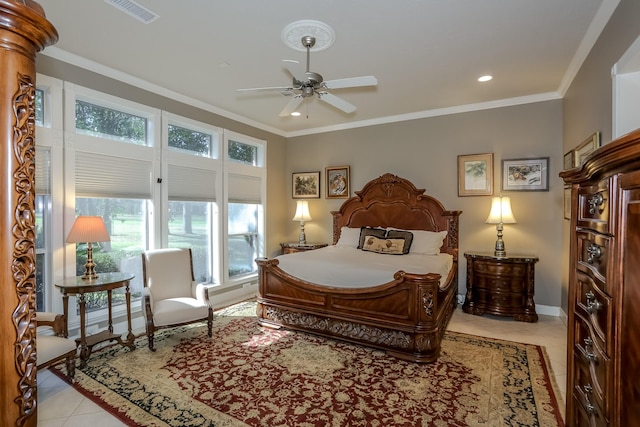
302 211
88 229
501 211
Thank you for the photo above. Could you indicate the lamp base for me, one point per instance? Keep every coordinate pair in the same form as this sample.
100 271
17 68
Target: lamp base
89 266
302 239
499 252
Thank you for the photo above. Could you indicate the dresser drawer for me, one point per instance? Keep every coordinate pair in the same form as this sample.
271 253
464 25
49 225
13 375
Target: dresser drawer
583 417
499 284
593 256
591 359
585 390
503 301
500 269
593 206
595 307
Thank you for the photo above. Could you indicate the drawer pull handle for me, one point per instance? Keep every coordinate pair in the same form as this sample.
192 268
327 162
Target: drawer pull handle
595 202
593 305
588 348
594 252
590 407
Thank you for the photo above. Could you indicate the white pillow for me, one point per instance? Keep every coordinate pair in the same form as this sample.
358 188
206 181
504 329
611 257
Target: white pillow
425 242
349 237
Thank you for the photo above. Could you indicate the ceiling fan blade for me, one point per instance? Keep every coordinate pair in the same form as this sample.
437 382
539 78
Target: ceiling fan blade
291 106
351 82
339 103
295 69
263 89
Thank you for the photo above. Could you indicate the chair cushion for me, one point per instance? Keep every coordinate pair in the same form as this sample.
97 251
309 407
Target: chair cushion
178 310
49 347
168 273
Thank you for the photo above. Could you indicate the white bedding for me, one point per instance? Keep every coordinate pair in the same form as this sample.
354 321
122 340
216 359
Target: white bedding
348 267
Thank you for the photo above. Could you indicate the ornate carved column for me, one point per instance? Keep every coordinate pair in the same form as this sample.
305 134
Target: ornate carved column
24 31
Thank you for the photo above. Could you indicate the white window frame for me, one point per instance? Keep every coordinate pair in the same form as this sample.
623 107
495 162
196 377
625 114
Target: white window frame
50 135
209 164
258 171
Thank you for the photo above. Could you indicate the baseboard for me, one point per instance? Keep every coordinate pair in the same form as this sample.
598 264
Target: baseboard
546 310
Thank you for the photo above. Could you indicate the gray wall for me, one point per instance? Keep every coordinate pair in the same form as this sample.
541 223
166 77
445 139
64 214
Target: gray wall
588 102
425 152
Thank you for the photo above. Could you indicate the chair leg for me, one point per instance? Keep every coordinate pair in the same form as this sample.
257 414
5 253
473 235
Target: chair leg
150 338
71 367
210 322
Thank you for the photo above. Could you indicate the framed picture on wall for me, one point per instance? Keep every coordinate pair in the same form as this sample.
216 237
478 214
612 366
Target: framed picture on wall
475 174
587 147
337 182
306 185
525 174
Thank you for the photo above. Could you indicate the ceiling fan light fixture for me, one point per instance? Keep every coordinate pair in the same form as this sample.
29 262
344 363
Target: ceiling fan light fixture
296 114
485 78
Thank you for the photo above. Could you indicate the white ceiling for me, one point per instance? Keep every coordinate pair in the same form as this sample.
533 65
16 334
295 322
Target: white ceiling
426 54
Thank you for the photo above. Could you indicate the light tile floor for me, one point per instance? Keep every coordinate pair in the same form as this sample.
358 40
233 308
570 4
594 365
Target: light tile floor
59 405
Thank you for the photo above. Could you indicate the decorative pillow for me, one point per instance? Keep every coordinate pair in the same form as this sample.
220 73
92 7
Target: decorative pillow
383 246
349 237
427 242
401 234
369 231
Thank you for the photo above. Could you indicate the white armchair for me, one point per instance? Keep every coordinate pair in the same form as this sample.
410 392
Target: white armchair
170 296
52 344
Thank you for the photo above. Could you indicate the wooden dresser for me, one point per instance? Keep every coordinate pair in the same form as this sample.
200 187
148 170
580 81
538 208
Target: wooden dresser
603 362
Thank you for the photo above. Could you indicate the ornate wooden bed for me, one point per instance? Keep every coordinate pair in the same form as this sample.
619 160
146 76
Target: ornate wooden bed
407 316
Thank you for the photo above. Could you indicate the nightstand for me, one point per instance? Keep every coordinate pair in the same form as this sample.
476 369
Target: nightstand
289 248
503 286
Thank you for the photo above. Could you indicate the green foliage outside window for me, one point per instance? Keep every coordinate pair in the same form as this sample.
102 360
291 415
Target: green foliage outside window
189 140
100 121
243 153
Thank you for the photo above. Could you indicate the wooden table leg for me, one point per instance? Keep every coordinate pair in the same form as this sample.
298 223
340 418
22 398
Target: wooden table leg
65 311
130 336
84 350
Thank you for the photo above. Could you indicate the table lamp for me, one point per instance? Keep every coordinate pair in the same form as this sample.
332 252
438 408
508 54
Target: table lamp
88 229
500 214
302 215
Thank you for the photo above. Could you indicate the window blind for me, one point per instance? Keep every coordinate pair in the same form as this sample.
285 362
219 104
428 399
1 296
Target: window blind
43 171
244 189
100 175
191 184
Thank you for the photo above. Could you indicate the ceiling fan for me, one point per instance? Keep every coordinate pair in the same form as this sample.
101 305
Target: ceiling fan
307 83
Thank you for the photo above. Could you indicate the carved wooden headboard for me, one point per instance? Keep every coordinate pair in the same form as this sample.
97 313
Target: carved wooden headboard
391 201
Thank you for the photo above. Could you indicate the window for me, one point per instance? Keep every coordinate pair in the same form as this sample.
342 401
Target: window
43 228
127 224
105 122
193 183
243 153
39 107
243 238
245 179
190 141
190 227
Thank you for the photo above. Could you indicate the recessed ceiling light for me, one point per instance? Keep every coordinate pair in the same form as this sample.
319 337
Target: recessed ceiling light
485 78
295 113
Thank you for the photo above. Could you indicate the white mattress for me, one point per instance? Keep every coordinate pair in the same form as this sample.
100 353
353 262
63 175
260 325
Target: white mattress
347 267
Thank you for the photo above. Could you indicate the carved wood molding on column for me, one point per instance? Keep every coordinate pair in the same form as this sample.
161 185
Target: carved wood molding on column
24 31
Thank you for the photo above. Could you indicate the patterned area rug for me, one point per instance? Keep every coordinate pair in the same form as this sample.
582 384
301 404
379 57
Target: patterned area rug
247 375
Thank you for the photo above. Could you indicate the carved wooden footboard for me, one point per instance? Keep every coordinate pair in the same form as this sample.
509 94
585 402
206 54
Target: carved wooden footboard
407 316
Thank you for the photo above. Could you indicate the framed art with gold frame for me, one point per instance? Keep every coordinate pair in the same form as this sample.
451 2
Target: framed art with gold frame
475 174
337 182
587 147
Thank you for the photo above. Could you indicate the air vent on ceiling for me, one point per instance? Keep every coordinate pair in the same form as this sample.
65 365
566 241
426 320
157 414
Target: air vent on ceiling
134 9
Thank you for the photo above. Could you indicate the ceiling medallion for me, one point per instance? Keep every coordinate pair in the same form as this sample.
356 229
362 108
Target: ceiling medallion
292 35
